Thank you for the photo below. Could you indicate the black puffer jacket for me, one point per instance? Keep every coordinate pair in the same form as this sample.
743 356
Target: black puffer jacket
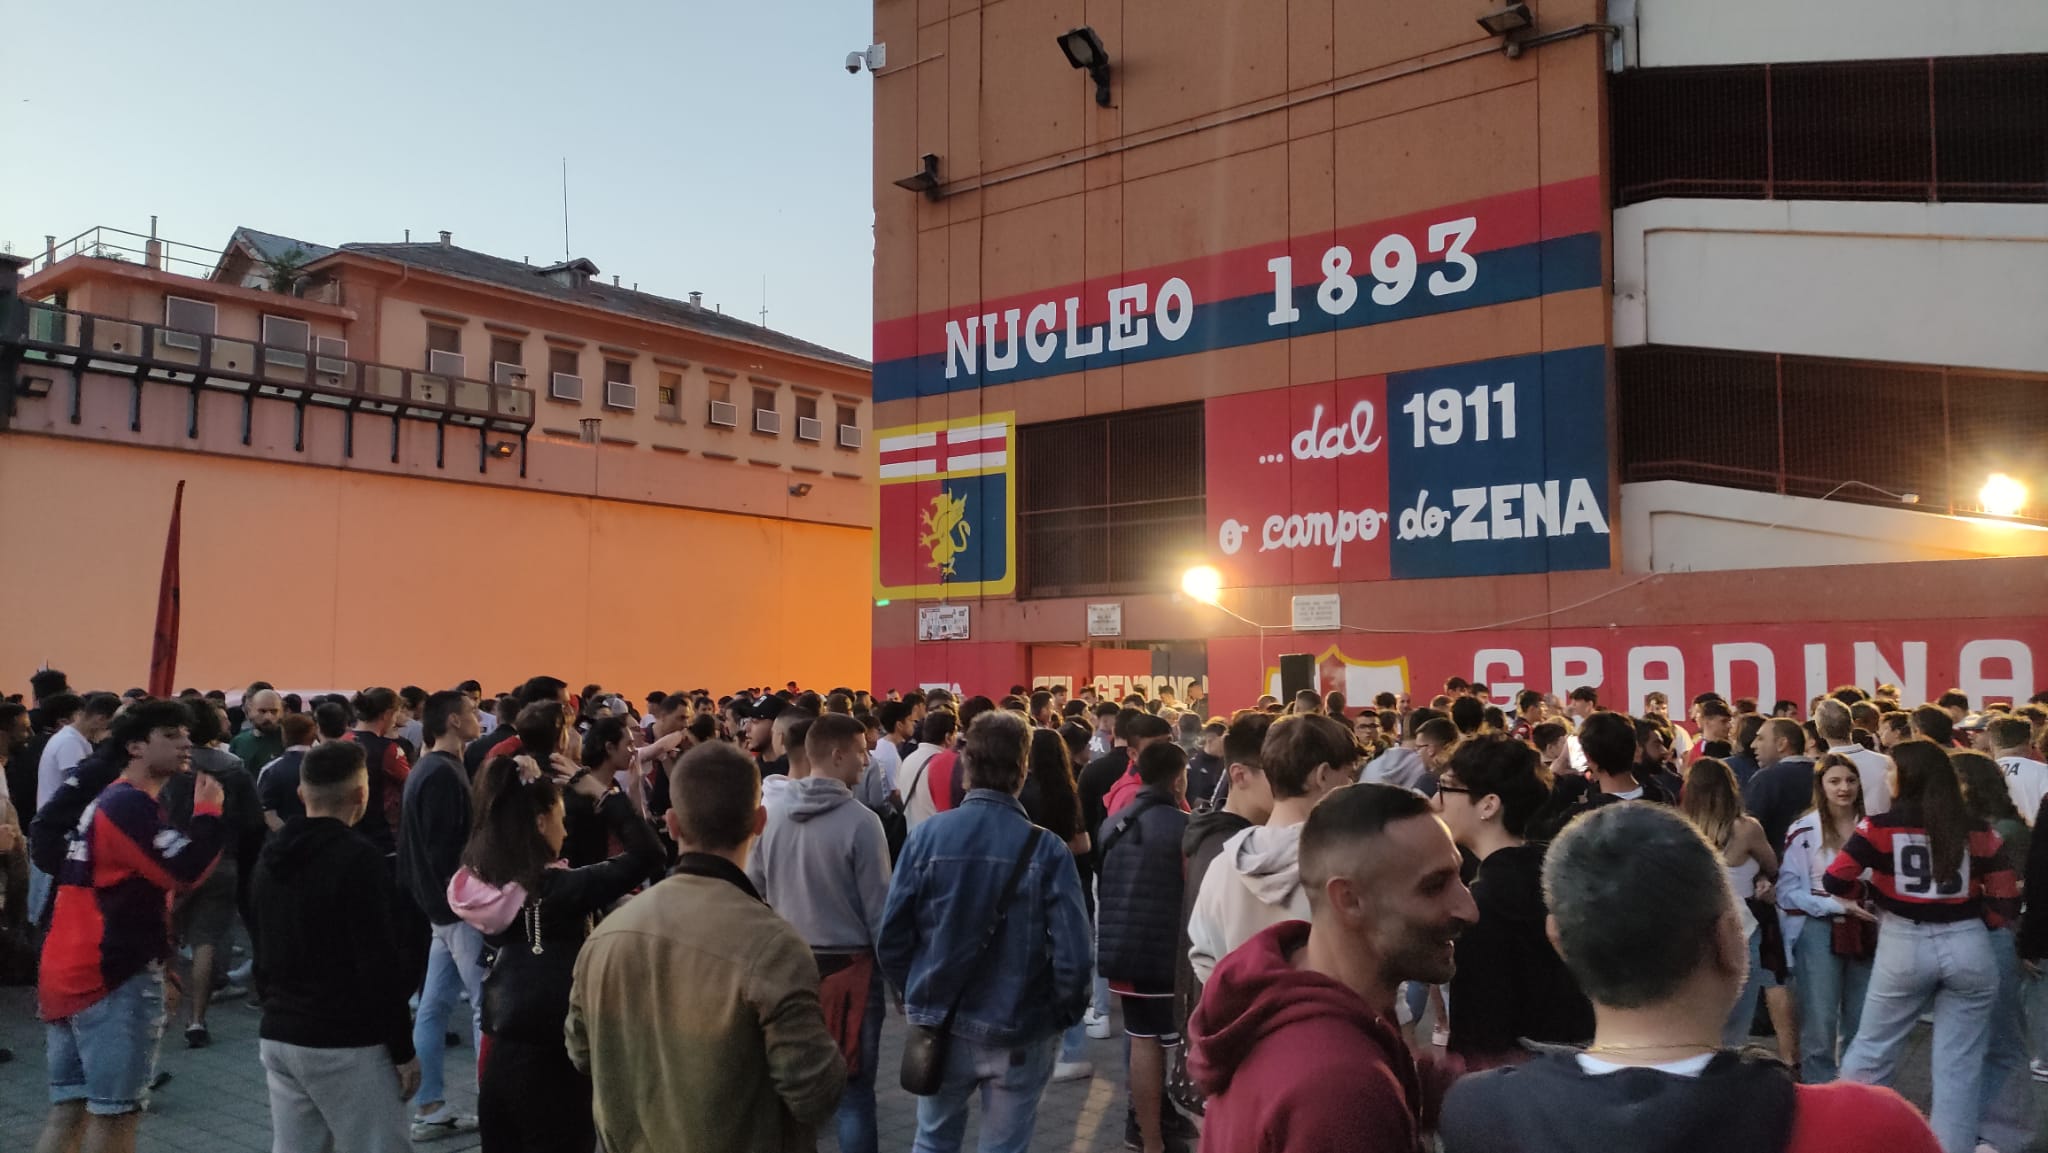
1137 926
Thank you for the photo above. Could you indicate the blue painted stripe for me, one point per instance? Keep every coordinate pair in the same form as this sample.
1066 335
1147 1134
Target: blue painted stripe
1524 272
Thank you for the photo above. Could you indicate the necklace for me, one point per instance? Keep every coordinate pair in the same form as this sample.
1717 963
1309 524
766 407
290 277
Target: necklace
1661 1045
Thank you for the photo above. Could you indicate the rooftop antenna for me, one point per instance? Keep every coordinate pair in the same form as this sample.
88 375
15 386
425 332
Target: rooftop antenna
565 209
764 300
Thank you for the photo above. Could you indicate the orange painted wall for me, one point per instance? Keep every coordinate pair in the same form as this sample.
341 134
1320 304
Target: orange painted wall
320 578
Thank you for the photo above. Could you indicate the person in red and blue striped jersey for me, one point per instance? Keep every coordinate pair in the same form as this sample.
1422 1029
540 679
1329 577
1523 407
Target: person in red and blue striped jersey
1941 879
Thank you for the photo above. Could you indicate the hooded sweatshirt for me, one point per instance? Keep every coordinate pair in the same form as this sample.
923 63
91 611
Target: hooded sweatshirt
1401 766
823 864
1555 1105
1205 837
526 992
1254 883
1511 984
328 965
1292 1061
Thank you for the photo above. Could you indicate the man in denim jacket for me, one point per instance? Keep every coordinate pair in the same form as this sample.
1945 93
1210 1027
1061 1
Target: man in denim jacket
1034 982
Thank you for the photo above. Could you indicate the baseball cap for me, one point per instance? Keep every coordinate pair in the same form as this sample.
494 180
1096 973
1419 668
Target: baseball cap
767 708
1974 723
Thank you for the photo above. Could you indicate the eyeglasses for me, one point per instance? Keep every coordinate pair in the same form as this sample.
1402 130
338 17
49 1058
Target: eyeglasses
1448 787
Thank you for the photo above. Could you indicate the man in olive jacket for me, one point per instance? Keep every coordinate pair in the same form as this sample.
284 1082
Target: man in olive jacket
695 1008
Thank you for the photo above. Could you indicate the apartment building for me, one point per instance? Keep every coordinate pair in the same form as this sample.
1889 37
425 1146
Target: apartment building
432 463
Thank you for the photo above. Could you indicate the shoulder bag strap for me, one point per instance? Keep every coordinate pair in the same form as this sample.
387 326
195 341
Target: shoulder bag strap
995 925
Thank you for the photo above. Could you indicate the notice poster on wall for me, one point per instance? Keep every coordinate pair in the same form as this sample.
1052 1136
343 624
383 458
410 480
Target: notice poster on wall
942 622
1488 468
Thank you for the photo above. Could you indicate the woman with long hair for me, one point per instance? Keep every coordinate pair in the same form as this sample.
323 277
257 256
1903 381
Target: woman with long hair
1831 942
536 912
2007 1121
1713 802
1941 882
1052 802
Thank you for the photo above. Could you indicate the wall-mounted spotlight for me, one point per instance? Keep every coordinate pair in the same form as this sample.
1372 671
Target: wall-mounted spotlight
1505 22
1085 51
503 449
800 488
926 180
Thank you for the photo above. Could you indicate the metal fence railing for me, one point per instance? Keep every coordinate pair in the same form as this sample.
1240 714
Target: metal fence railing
1808 426
1949 129
1110 504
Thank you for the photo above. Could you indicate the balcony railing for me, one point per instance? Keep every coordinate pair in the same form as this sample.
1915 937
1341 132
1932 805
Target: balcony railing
132 248
78 342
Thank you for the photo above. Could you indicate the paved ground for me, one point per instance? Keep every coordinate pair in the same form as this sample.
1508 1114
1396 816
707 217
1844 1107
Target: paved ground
216 1102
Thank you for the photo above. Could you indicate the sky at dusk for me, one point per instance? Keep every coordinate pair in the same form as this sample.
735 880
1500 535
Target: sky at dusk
708 144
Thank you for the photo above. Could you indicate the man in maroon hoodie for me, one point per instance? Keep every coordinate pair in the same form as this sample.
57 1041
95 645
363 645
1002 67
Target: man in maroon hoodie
1295 1041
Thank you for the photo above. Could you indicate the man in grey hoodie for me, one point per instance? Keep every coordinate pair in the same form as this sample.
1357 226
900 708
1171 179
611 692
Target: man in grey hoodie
823 864
1255 881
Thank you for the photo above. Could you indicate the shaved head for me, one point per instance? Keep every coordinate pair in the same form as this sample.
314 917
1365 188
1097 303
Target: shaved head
264 710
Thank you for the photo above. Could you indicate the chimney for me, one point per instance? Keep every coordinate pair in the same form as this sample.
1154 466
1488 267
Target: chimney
447 238
615 280
696 300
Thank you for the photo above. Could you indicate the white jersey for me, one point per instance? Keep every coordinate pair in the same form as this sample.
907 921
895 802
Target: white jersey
2028 781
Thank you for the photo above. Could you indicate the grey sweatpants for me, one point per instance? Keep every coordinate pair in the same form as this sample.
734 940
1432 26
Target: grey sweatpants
324 1100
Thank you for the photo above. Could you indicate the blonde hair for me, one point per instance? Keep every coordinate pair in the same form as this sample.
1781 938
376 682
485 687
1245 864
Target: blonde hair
1711 800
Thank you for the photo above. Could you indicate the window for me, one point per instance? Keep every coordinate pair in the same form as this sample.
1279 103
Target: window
724 413
444 349
188 320
508 359
618 385
285 332
1104 504
285 341
849 426
668 386
564 382
766 419
807 425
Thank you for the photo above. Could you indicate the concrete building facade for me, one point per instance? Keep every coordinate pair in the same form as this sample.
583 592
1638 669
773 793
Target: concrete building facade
1621 344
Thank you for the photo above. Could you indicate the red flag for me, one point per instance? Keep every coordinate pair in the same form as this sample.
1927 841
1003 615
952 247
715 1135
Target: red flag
163 653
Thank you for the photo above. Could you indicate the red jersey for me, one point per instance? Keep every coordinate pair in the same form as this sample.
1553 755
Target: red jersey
112 914
1900 859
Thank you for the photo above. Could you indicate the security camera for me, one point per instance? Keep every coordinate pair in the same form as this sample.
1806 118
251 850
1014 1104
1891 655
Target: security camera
874 59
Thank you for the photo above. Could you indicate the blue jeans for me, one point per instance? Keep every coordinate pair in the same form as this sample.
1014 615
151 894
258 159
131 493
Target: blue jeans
101 1054
1735 1033
39 886
1951 965
1074 1044
1830 990
455 963
2007 1119
1010 1079
856 1116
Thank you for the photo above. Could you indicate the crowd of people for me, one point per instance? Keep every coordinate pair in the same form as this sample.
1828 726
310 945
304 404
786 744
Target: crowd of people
681 925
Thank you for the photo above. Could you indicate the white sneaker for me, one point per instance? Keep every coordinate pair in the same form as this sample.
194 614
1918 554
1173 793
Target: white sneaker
1073 1070
442 1122
1097 1024
2039 1069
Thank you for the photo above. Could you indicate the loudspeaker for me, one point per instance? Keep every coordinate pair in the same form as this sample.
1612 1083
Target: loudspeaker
1297 672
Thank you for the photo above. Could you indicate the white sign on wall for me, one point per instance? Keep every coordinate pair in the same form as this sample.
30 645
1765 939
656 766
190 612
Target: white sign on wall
1106 620
1320 613
942 622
